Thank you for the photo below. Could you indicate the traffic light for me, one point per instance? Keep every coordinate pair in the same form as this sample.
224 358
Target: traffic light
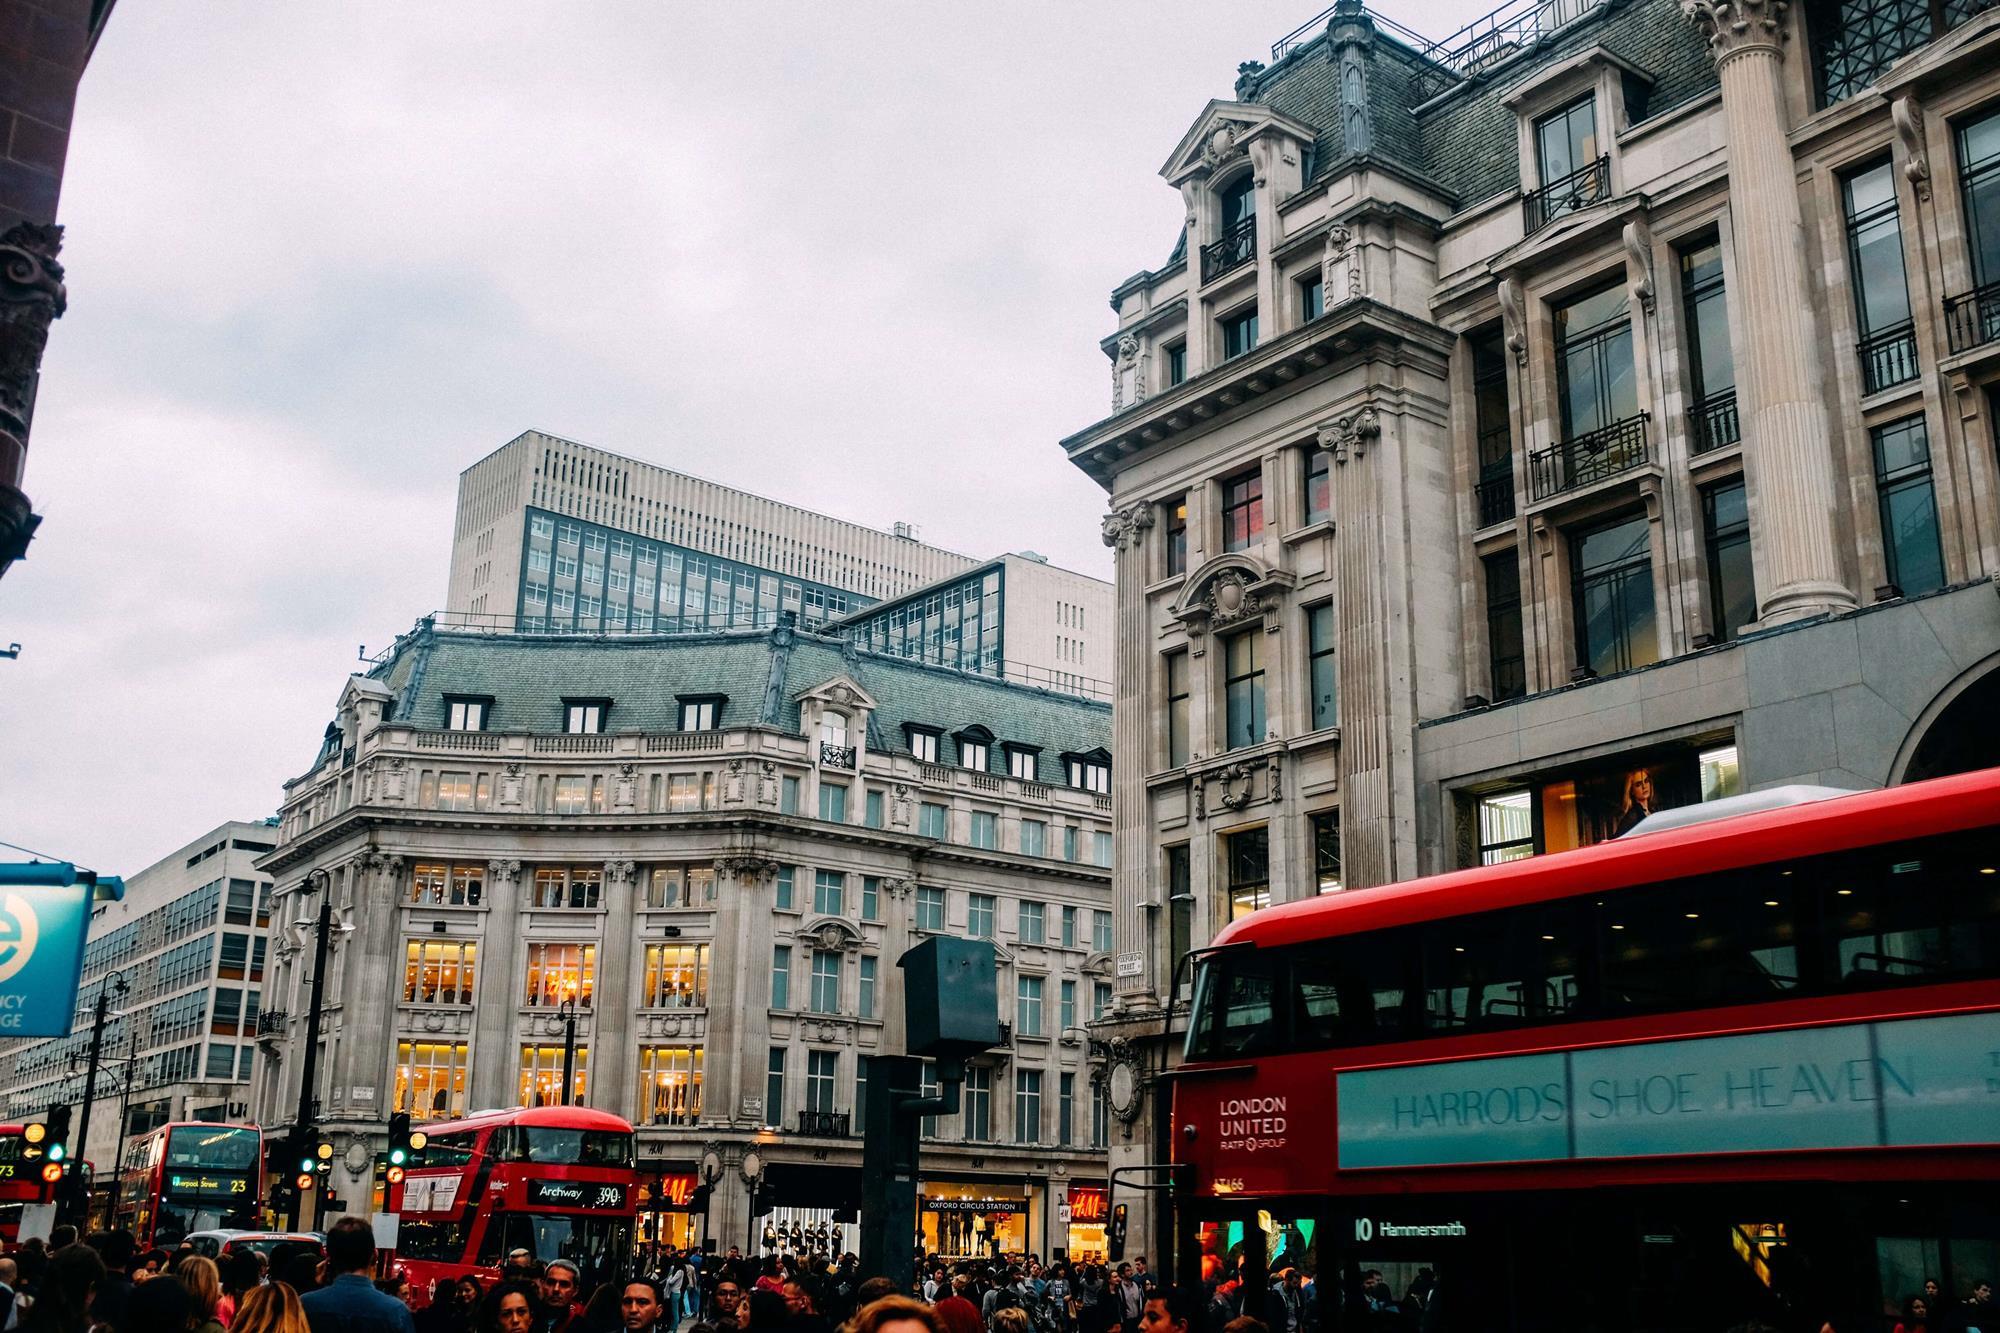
1115 1242
323 1157
56 1141
404 1142
394 1175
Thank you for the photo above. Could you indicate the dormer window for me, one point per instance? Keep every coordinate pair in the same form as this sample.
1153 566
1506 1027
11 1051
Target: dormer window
974 745
1235 241
701 712
1575 172
923 742
833 728
585 716
1090 771
466 712
1022 761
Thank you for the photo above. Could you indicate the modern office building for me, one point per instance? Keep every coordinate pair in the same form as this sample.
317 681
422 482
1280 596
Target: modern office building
1588 412
183 957
1016 617
709 849
551 534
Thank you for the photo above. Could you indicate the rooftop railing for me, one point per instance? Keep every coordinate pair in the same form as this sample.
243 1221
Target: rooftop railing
1486 41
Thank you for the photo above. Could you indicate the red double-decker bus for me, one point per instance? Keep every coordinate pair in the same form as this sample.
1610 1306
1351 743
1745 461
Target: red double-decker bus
1743 1067
21 1181
555 1180
184 1178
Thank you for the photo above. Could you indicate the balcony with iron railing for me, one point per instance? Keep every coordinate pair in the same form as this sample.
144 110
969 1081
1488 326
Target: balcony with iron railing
826 1124
1495 496
1972 319
836 756
1888 357
1715 423
1236 247
1587 185
1590 458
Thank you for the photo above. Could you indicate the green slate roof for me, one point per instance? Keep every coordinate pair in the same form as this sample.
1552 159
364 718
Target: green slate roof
761 673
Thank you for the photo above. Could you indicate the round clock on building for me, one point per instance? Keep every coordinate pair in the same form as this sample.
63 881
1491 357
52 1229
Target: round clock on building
1121 1086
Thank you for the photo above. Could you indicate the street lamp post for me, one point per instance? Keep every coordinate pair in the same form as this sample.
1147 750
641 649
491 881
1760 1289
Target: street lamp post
566 1011
113 980
753 1176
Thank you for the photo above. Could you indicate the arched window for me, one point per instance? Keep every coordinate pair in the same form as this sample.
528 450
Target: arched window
833 728
1239 200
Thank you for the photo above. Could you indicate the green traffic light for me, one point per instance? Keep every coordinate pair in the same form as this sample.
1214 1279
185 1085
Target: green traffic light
307 1164
56 1152
397 1157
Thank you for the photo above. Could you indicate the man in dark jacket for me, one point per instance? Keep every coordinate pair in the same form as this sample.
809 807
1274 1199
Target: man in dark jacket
349 1303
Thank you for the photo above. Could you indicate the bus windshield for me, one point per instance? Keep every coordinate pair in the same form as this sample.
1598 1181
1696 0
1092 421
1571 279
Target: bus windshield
562 1147
596 1244
223 1148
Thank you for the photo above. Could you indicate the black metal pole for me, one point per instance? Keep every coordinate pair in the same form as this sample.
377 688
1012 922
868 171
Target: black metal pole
302 1119
75 1160
569 1050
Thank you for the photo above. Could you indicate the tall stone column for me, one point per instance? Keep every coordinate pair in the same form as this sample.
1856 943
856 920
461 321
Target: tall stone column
1367 813
495 1061
1125 533
1787 437
614 1056
371 981
739 994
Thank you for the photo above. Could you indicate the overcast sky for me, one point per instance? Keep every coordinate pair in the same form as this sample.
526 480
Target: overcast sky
321 257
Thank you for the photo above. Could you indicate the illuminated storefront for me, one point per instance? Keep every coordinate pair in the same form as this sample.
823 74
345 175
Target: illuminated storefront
1088 1209
667 1211
1591 803
973 1221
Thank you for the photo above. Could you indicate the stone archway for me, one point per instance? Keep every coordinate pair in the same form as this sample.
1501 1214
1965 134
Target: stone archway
1959 732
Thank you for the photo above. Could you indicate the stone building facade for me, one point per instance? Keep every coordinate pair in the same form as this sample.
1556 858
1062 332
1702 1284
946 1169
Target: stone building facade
1588 412
715 847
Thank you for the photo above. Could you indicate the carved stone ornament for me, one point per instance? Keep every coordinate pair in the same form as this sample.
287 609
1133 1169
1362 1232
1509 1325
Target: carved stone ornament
1639 254
1513 319
1246 77
1224 142
1340 266
899 888
1125 529
32 297
1128 374
1229 600
503 872
1910 134
1349 436
619 872
747 867
1736 26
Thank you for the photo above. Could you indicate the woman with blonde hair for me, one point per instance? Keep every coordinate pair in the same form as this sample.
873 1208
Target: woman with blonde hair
202 1280
273 1308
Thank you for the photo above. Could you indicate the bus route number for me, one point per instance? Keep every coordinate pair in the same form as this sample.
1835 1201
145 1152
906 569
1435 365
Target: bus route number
1364 1230
608 1196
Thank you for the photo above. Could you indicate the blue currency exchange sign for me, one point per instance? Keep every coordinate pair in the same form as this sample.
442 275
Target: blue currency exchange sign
41 957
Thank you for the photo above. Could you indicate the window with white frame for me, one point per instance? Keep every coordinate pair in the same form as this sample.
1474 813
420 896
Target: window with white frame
584 716
465 712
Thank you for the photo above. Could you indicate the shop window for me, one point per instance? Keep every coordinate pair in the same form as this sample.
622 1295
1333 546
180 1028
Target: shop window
670 1085
1506 826
439 971
541 1075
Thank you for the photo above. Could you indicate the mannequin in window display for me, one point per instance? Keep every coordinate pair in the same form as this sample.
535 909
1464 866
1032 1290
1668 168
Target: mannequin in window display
770 1236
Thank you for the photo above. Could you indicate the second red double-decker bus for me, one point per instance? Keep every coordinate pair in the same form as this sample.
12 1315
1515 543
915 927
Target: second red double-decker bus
1745 1068
557 1181
184 1178
21 1180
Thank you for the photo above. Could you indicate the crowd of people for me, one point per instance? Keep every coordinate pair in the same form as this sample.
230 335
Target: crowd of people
104 1283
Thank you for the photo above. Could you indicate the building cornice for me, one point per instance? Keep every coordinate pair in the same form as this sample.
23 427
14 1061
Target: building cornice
1337 337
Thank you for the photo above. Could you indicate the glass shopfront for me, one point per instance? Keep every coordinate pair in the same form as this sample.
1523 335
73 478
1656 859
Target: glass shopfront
1088 1211
960 1221
667 1215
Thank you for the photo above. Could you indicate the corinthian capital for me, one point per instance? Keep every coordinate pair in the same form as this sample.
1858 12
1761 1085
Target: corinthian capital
1735 26
1127 527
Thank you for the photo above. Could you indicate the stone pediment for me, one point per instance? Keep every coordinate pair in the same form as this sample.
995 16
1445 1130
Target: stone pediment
841 691
831 934
1221 134
1229 590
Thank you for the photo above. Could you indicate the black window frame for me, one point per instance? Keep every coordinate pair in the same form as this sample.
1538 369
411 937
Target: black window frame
1629 571
1506 647
1175 356
1248 501
1323 647
1721 538
1252 679
1566 114
1887 344
1176 535
1711 404
577 710
1892 483
1179 744
693 706
461 709
1318 469
1239 331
